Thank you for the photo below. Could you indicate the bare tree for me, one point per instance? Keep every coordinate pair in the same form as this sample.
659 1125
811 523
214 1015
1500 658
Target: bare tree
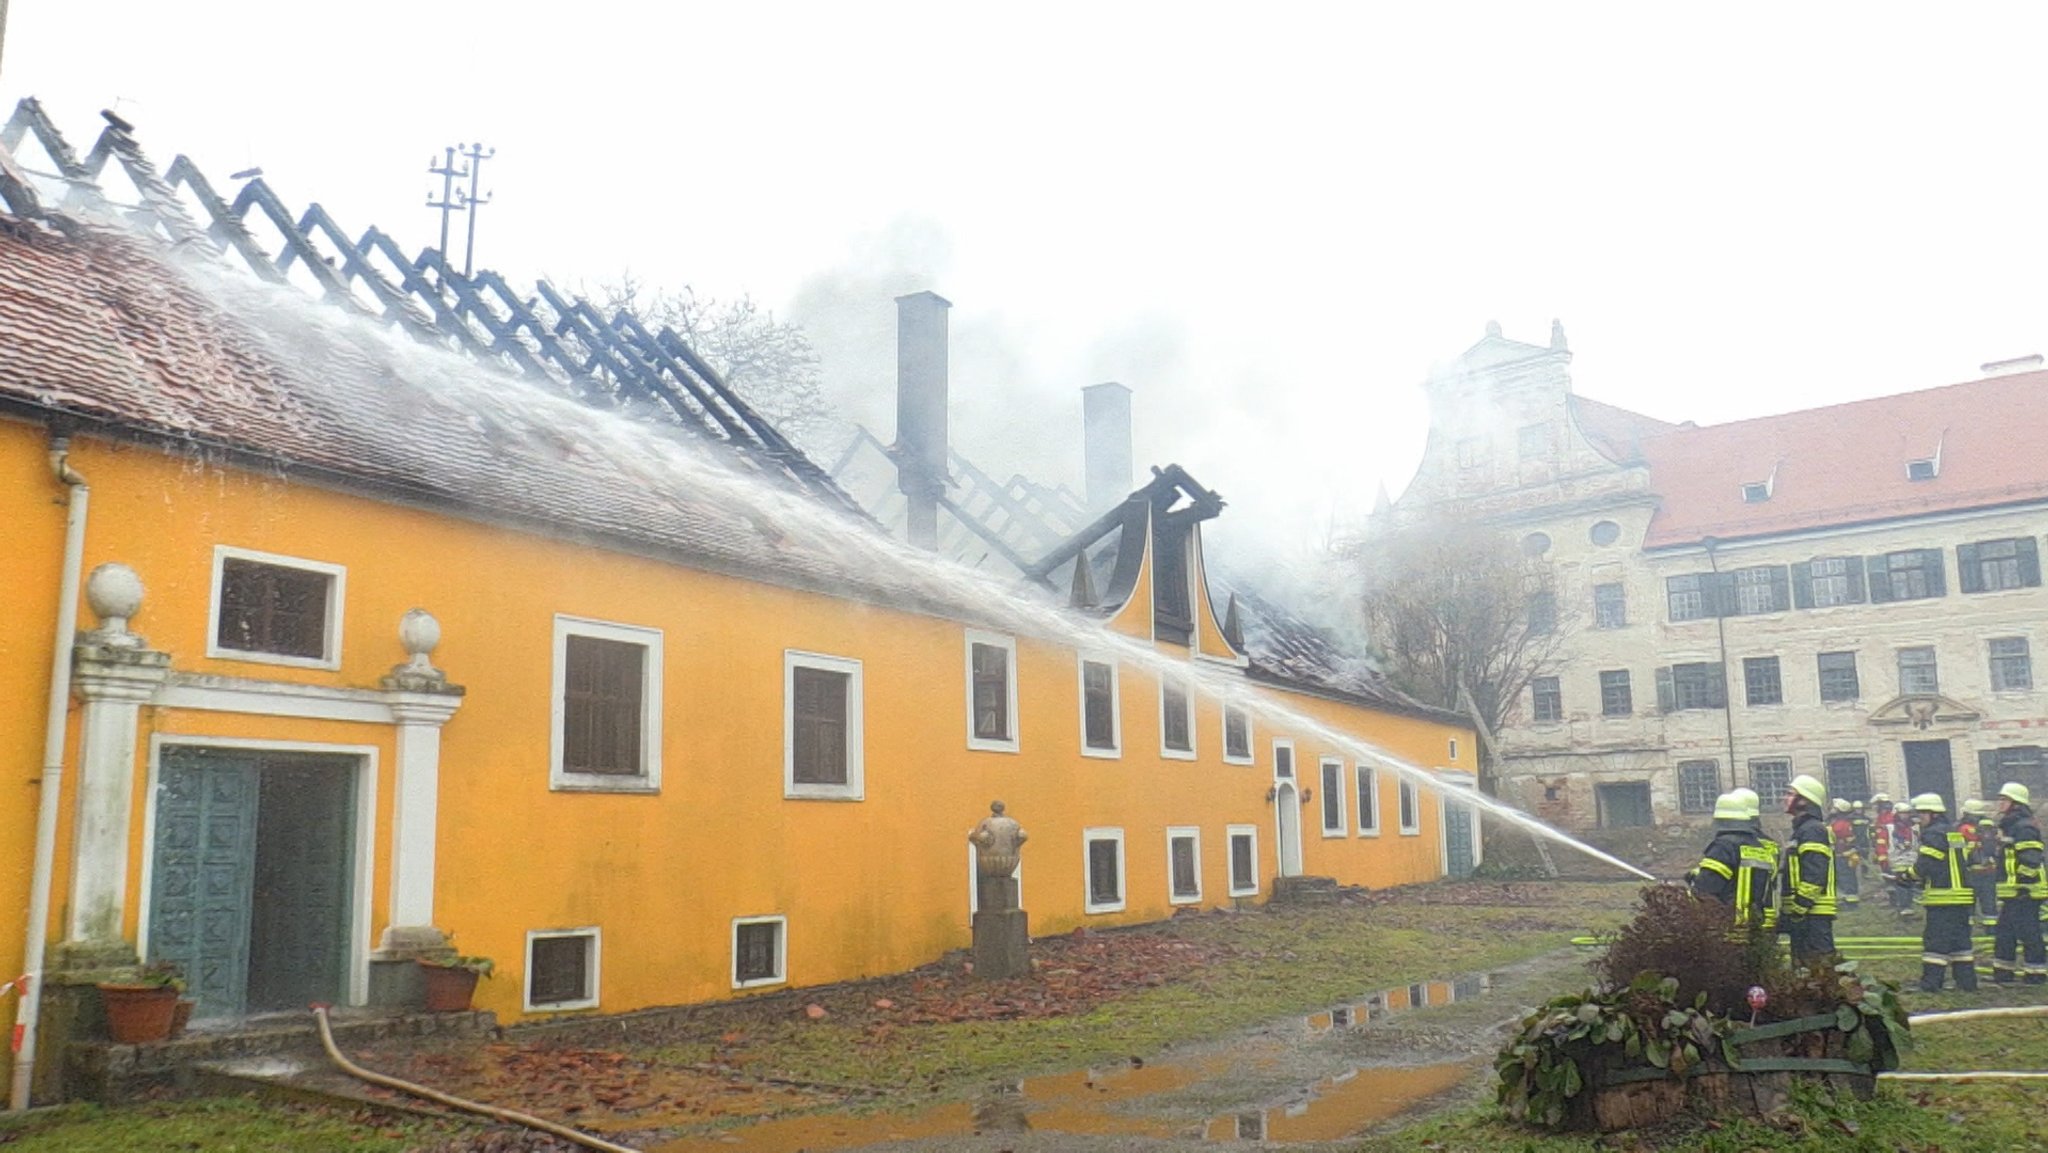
768 362
1453 606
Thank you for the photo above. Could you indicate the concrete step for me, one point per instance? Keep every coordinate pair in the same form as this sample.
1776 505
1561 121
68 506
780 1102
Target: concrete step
104 1071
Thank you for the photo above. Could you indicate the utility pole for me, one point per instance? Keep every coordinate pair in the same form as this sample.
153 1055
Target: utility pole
454 199
477 155
450 201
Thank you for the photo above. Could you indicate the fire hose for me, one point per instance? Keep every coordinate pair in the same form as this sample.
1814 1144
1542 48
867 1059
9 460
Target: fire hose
509 1116
1975 1075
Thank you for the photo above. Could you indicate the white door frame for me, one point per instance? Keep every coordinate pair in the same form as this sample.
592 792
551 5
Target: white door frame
1286 818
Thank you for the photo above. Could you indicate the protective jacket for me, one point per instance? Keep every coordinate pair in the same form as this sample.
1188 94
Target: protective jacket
1881 842
1807 876
1943 864
2021 872
1737 870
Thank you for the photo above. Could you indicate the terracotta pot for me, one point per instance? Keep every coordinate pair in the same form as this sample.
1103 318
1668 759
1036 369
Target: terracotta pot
137 1014
448 988
181 1015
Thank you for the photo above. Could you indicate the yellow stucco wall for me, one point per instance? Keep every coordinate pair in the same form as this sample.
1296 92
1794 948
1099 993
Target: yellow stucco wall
871 886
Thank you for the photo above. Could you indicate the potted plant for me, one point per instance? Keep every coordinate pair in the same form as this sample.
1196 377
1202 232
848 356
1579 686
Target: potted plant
141 1010
451 980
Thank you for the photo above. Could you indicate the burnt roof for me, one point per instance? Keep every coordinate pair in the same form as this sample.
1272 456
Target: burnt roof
555 338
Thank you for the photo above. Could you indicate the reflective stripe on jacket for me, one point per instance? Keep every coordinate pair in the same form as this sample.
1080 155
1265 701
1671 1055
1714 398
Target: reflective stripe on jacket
2022 874
1944 857
1807 876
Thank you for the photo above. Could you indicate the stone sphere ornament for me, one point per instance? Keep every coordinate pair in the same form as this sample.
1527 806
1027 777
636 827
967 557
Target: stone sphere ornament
114 593
420 633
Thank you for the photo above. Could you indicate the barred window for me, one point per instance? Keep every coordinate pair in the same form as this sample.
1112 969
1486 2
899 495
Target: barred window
1761 682
1848 777
1617 699
1699 783
1838 677
1917 671
1546 699
1770 778
2012 665
1610 606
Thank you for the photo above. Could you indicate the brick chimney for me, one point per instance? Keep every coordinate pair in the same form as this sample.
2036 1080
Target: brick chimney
1106 447
921 338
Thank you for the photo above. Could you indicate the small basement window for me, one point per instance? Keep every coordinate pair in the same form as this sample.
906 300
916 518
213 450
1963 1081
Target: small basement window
1756 492
1103 860
1926 469
275 609
1184 866
561 970
760 951
1244 860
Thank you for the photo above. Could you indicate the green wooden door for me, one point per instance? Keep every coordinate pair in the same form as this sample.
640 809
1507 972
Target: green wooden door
254 877
298 945
205 860
1458 838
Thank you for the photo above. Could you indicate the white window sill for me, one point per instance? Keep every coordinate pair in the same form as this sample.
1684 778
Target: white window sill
760 982
1414 832
1094 910
975 745
825 793
1374 831
1186 899
1177 754
1238 760
1333 834
1111 754
584 783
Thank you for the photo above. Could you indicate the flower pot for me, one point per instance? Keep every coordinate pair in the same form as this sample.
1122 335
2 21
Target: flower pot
137 1014
181 1015
449 988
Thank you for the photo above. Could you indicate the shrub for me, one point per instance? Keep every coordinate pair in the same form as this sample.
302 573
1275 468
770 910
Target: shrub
1695 942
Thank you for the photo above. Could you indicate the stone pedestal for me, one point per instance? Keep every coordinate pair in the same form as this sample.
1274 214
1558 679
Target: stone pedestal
1002 943
72 1009
395 979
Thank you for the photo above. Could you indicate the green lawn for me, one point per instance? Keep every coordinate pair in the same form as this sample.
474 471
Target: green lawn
1983 1118
215 1124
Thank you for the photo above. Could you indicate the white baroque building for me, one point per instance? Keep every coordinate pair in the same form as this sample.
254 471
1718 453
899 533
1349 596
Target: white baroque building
1852 591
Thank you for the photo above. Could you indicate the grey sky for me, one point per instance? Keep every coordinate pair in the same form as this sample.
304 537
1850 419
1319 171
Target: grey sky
1267 220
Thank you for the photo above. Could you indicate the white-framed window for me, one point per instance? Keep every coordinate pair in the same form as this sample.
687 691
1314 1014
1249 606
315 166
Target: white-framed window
1176 719
823 729
974 879
275 610
1283 759
991 692
1244 860
1368 800
1332 791
1411 809
1237 734
1102 869
760 951
1102 712
1184 865
606 732
562 969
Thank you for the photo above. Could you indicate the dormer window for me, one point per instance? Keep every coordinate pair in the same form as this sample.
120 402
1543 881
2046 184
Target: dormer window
1924 469
1756 492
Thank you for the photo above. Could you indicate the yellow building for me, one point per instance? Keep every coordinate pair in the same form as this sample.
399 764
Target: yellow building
383 641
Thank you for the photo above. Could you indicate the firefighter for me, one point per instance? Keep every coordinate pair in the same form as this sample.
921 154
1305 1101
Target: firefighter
1847 861
1761 855
1738 864
1859 820
1941 871
1881 834
1806 878
1981 829
1905 849
2022 884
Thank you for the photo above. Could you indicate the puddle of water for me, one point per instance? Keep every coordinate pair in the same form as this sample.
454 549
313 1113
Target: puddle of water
1098 1102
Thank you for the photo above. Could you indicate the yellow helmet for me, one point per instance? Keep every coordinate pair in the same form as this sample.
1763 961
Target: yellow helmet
1752 805
1929 803
1812 790
2016 793
1729 807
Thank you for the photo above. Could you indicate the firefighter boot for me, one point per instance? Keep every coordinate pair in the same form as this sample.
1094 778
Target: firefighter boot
1931 973
1964 970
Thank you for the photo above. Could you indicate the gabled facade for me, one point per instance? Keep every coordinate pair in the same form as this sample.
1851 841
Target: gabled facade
1852 592
462 618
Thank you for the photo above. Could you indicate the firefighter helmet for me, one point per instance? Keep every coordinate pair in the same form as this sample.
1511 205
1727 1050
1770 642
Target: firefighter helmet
1811 790
2016 793
1752 805
1929 803
1729 807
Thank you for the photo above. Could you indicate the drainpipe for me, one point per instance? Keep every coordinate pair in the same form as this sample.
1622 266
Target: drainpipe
1727 697
52 782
